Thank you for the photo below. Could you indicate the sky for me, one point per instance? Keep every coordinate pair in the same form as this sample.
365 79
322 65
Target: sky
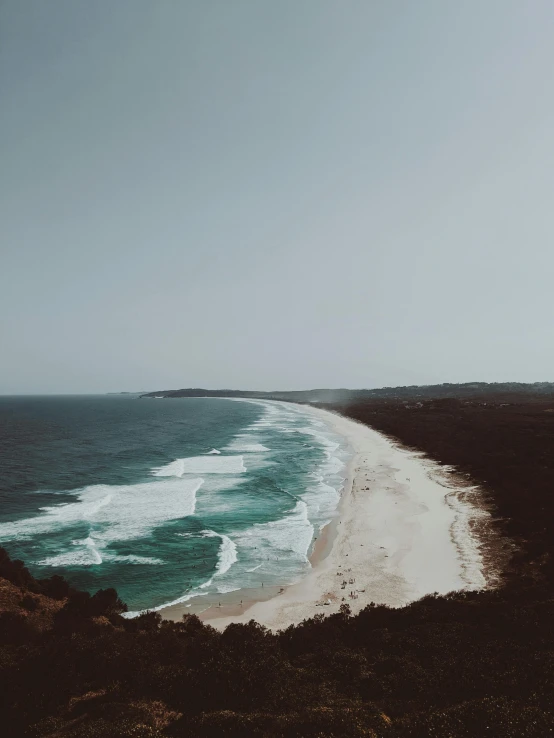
275 195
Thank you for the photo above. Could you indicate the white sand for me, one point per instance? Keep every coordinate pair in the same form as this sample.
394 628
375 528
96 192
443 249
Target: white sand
403 531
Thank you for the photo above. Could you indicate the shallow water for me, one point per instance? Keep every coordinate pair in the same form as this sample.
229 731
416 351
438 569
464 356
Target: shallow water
167 500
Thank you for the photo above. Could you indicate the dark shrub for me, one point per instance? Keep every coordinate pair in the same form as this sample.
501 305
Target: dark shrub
29 603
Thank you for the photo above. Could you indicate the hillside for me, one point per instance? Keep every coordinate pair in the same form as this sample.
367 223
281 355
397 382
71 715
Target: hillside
342 395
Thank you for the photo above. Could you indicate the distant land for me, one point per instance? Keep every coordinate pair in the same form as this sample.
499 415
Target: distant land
125 393
342 395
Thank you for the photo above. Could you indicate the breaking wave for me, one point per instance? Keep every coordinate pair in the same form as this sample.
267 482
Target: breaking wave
111 514
206 464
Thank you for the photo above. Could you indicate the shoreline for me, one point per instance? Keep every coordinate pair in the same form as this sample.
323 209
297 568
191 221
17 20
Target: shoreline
405 526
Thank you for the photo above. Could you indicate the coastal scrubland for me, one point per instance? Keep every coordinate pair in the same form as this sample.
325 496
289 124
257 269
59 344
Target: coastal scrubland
463 664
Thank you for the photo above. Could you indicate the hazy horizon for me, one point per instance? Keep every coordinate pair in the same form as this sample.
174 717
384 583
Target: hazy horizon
254 195
243 389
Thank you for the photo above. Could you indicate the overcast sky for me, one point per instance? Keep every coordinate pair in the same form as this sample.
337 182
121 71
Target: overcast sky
275 195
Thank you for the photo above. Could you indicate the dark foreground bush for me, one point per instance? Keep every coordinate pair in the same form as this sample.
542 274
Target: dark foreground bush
361 722
500 718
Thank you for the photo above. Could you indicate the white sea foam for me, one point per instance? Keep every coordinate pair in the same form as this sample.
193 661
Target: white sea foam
245 447
86 554
112 513
177 601
322 437
132 559
207 464
288 538
322 500
213 451
173 469
333 466
91 546
227 554
226 588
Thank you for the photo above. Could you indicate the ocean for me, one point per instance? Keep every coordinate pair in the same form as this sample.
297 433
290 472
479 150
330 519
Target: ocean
167 500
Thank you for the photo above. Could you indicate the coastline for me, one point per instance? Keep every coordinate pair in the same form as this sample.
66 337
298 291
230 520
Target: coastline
404 527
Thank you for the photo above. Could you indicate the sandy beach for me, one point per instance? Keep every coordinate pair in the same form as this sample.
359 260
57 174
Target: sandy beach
405 527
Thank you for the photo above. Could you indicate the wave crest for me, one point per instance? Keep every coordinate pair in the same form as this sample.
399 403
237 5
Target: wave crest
206 464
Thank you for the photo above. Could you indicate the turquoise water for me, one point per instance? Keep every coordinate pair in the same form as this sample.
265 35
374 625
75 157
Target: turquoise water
166 500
